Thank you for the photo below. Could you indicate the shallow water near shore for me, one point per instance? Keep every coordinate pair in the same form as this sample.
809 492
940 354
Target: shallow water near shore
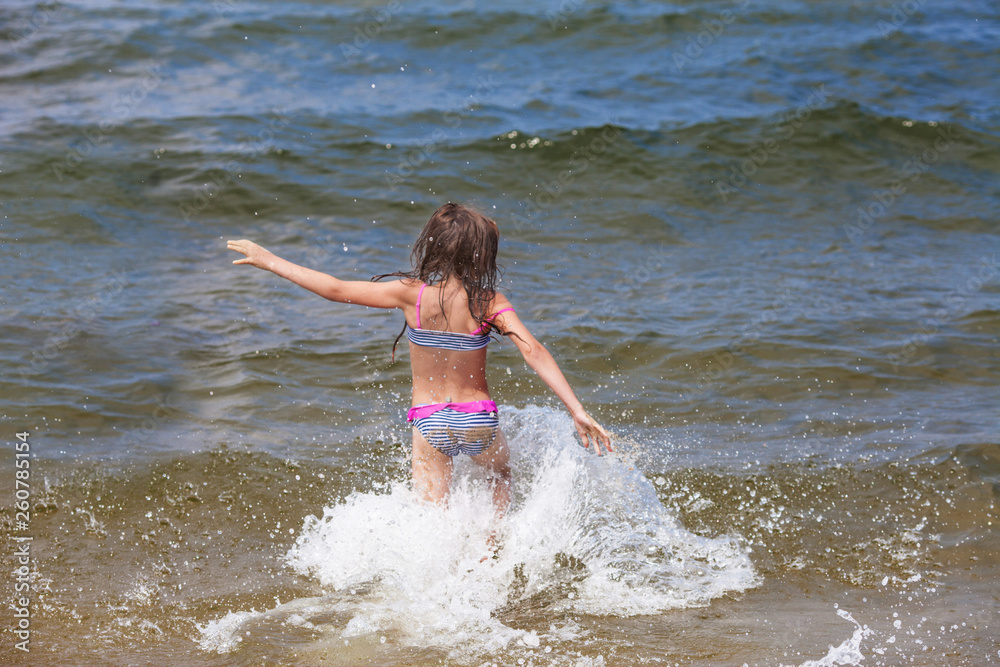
235 557
761 240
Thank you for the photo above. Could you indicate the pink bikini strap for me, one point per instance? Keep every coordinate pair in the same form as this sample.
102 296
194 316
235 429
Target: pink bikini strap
482 328
422 411
419 294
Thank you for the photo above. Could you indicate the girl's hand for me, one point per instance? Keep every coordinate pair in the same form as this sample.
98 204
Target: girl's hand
255 255
590 431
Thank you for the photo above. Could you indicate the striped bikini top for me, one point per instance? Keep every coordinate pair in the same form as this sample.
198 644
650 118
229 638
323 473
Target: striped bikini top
450 340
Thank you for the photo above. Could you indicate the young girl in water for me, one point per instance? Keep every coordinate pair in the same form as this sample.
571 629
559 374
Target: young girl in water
451 306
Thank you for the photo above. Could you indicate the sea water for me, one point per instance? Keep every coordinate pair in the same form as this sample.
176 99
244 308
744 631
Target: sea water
585 536
760 238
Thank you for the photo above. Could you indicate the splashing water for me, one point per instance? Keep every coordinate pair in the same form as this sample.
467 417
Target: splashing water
849 651
584 535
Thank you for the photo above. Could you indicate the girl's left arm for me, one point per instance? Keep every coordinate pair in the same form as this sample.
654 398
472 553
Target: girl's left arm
541 362
376 295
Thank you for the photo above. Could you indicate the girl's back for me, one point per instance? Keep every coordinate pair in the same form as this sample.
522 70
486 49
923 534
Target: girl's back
444 367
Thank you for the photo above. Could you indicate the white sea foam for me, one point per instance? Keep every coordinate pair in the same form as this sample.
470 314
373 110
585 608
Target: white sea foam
586 534
848 652
222 635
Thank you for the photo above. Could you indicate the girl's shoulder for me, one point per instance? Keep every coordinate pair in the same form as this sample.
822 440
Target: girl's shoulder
405 290
412 286
500 302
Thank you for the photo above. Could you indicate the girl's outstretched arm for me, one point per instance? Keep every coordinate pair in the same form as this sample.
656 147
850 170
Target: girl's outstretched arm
377 295
545 365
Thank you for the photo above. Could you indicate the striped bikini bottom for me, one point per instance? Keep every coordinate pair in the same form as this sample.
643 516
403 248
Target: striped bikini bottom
457 428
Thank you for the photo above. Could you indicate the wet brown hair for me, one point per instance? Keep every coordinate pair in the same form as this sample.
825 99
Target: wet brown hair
461 243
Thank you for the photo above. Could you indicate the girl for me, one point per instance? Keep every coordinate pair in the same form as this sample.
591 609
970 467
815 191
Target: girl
451 306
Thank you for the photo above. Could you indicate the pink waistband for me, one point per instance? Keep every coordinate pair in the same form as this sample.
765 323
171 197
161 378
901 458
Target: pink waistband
421 411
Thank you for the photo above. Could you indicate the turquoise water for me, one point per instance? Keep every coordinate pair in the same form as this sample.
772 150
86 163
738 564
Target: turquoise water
760 238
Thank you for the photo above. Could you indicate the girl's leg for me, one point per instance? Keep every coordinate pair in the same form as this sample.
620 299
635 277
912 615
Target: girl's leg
496 459
431 470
